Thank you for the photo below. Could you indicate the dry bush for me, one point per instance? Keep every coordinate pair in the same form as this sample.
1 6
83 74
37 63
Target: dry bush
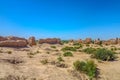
14 60
13 77
59 64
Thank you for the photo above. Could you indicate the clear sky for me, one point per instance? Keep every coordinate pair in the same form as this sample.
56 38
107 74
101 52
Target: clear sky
66 19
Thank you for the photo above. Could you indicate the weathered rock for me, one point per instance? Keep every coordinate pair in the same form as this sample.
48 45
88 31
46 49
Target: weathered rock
106 42
97 41
13 43
2 38
113 41
80 41
110 42
14 38
50 41
118 40
31 41
87 40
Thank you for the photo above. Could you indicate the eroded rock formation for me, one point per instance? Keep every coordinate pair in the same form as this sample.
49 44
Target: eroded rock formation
50 41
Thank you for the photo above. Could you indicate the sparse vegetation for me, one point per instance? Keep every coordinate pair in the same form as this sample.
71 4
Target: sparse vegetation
53 46
60 59
87 45
14 60
89 50
31 54
9 52
48 52
37 52
13 77
77 45
64 41
67 54
45 61
68 49
113 49
104 54
1 51
61 65
88 67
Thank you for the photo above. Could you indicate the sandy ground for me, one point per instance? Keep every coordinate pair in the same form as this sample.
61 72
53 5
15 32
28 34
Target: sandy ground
30 66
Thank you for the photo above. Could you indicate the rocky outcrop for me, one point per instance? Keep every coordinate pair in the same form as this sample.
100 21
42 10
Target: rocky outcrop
71 41
50 41
97 41
110 42
80 41
12 42
32 41
15 38
87 40
113 41
2 38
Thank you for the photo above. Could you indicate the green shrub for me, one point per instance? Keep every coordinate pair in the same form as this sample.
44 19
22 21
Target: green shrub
87 45
104 54
118 48
68 54
89 50
30 53
77 45
60 59
45 61
48 52
9 52
113 49
53 46
88 67
65 41
68 49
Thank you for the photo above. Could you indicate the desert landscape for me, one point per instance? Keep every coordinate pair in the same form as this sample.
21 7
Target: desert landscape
59 39
56 59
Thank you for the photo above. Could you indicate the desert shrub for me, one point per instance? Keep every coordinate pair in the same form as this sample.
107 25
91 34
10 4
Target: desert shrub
37 52
9 52
68 49
89 50
104 54
77 45
87 45
13 77
14 60
45 61
60 59
1 51
114 49
48 52
68 54
53 46
61 65
31 54
64 41
56 50
118 48
88 67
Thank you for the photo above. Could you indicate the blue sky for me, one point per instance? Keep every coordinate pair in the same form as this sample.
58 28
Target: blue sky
66 19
